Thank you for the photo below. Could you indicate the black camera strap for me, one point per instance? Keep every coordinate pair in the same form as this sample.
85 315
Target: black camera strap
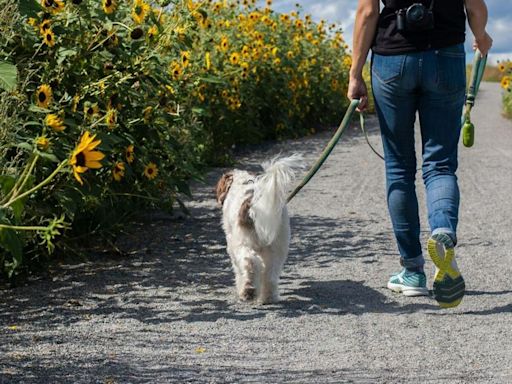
400 4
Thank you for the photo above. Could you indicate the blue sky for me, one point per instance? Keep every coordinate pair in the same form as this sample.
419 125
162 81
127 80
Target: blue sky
343 11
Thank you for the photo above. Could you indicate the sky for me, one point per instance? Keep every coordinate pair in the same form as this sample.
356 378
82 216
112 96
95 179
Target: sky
343 12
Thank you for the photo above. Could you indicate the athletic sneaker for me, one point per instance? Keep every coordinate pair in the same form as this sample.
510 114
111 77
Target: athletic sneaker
409 283
449 285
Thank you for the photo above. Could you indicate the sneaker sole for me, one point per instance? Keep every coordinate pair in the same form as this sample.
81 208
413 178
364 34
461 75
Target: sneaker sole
408 291
449 286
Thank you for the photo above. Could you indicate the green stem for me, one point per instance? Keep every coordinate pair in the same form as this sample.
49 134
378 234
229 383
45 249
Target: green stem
22 228
40 185
32 165
21 180
135 195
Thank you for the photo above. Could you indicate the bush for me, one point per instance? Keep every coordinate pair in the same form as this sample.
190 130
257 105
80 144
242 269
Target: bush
110 106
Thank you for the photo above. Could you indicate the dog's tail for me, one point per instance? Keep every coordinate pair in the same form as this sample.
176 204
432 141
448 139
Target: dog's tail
270 195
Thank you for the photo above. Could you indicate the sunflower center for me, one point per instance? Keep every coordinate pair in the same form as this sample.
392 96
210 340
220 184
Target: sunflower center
41 97
80 159
49 37
138 10
108 3
150 171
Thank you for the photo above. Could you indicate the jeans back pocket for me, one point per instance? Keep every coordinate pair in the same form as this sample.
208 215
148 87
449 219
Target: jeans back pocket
387 68
451 68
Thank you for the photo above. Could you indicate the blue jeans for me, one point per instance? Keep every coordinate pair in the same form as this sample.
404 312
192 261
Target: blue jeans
433 84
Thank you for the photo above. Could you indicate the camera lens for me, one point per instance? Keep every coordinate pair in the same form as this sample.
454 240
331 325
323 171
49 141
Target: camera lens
416 12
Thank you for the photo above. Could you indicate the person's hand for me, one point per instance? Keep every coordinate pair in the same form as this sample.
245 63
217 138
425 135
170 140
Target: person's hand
483 43
357 90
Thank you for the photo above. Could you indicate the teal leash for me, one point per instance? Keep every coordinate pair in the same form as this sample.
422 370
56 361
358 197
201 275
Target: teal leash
477 73
328 148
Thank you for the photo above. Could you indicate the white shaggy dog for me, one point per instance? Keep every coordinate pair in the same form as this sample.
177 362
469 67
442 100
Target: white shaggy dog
257 226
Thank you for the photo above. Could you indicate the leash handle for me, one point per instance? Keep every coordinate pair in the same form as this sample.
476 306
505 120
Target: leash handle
477 73
328 148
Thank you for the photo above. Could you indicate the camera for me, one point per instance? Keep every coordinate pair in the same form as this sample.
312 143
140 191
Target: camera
416 17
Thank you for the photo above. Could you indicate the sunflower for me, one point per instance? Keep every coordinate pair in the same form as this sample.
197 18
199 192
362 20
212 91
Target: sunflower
152 32
285 18
205 23
42 143
185 58
129 154
111 118
151 171
234 58
91 110
136 33
505 82
54 122
224 44
139 11
84 156
502 67
44 26
347 61
118 171
176 70
53 6
109 6
49 38
44 96
32 21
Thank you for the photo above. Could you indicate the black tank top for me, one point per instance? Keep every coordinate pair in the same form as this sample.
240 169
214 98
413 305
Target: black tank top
449 29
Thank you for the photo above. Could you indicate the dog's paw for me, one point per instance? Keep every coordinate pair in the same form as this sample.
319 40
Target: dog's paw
270 299
248 293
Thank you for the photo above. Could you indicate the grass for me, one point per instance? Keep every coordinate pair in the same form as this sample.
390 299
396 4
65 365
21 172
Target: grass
491 73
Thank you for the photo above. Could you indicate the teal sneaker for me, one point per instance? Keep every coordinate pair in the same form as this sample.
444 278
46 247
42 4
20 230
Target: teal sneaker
409 283
449 286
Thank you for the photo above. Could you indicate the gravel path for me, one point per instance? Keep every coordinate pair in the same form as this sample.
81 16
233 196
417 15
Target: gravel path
166 311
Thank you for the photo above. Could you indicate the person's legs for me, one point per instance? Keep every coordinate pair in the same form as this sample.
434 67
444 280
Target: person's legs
394 82
440 110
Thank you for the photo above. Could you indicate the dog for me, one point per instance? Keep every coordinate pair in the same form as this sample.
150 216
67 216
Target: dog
257 226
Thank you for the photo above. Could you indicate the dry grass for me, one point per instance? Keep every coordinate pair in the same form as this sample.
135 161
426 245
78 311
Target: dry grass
492 73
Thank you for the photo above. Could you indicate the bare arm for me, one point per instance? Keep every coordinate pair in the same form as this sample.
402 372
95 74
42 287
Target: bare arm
477 19
367 17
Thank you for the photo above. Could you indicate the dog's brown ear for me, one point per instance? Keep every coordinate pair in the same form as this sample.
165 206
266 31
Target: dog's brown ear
223 186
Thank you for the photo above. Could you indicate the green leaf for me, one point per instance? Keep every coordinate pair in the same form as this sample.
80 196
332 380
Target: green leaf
6 183
183 188
63 53
26 146
35 108
10 241
29 8
211 79
17 209
8 76
49 156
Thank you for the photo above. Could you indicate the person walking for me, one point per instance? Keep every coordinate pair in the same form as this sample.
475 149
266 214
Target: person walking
418 66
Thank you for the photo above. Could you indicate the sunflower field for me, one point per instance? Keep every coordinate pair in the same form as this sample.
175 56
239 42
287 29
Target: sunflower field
109 106
505 69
